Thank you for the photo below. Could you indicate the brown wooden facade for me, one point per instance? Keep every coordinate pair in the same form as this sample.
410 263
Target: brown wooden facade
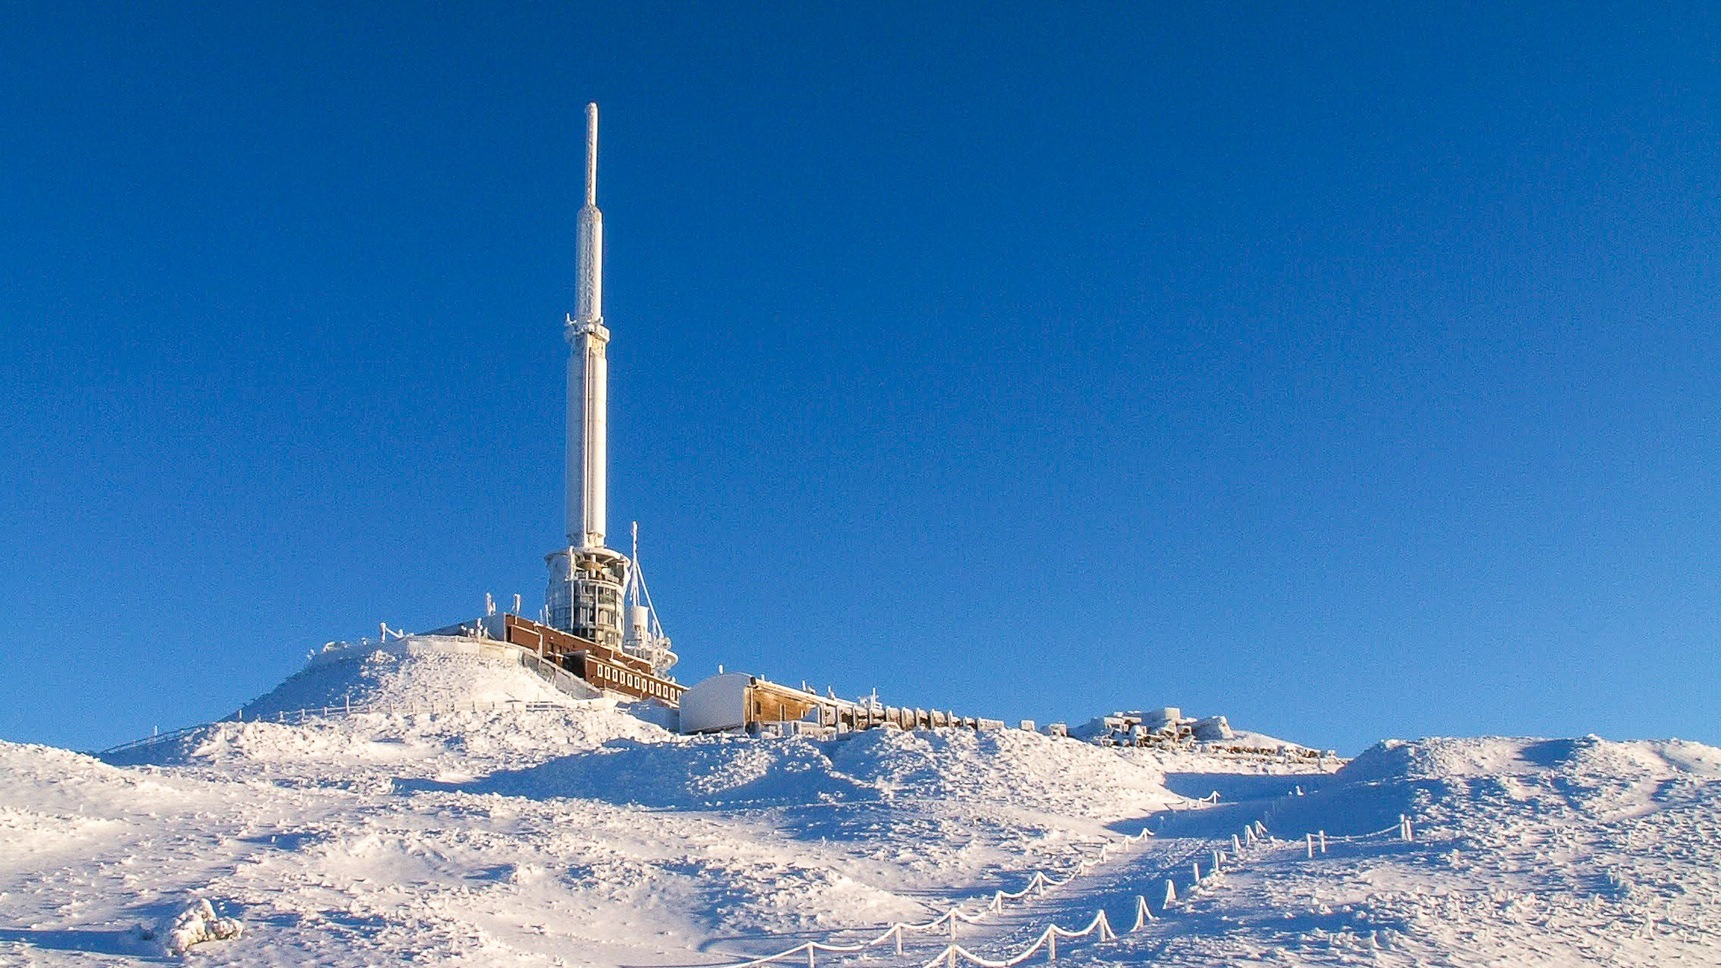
770 702
608 669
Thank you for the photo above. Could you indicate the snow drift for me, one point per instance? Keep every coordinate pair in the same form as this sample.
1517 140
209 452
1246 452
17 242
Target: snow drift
472 815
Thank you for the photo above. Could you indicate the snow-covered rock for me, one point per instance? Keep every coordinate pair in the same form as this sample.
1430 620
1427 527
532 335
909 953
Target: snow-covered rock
194 923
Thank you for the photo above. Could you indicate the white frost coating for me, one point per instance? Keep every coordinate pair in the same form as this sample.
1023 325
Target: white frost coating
589 301
573 833
194 923
588 369
717 703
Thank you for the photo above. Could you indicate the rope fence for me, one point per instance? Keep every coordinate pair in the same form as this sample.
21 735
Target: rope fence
955 954
1039 883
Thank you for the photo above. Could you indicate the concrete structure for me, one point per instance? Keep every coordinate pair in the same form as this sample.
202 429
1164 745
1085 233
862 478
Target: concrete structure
1213 729
1156 727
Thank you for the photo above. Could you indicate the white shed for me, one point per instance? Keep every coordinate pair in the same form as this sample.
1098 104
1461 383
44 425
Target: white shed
716 704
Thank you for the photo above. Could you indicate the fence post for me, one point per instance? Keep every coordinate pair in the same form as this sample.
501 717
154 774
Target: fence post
810 950
1236 846
952 917
1323 835
1052 944
1216 856
1309 839
1196 866
898 930
1170 895
952 962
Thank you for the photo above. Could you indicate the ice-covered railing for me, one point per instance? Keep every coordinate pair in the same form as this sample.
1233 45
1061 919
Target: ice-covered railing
1319 839
955 954
1224 855
1038 883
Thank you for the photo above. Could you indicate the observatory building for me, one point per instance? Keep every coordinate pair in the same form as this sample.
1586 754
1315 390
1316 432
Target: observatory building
596 593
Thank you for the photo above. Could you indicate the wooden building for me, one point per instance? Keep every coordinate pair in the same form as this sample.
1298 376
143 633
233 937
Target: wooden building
606 668
738 701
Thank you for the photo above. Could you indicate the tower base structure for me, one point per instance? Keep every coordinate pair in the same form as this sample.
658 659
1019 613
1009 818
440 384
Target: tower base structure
585 593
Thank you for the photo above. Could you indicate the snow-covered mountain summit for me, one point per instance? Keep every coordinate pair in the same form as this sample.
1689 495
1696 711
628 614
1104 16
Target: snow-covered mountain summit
446 807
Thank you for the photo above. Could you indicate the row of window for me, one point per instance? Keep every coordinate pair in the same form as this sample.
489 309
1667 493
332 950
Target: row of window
628 680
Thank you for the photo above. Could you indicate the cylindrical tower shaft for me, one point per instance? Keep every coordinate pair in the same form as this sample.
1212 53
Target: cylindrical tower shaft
589 299
588 369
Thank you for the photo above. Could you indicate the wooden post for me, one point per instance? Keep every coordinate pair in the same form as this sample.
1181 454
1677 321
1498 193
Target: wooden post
1051 945
1323 835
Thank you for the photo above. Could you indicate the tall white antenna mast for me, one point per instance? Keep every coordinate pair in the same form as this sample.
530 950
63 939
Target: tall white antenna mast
591 585
588 368
586 578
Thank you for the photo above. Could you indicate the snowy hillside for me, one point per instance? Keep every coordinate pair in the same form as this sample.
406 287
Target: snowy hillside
481 817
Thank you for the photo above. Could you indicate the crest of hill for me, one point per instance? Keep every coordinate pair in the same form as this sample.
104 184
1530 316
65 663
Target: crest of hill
406 676
1448 758
447 717
1438 776
418 707
1011 769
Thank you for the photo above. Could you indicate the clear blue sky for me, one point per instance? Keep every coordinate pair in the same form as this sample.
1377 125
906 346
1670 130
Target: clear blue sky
1353 372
